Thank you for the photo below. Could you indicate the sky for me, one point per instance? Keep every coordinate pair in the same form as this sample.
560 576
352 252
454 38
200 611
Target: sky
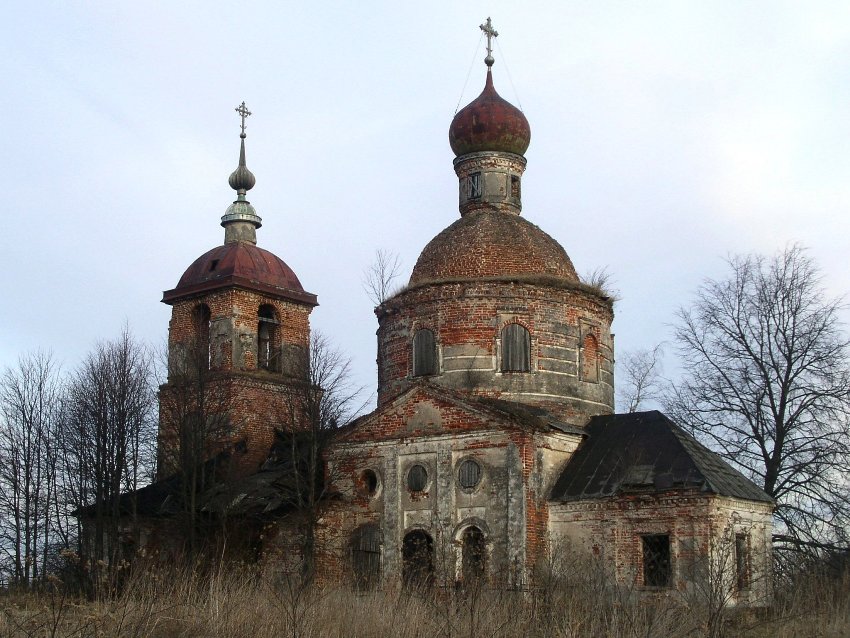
665 137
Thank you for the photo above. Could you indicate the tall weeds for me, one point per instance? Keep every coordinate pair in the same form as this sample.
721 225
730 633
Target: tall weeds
235 601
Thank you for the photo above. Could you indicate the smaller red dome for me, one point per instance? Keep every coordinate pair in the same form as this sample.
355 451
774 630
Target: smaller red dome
489 123
241 264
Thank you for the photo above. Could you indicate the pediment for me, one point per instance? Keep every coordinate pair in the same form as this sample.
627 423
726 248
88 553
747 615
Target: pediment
427 410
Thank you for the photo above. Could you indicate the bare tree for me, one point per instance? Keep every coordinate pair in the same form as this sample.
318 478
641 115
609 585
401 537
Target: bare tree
326 400
30 396
639 378
194 426
766 383
380 275
107 429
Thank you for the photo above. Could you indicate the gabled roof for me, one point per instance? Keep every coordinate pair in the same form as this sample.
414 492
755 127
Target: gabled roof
645 452
510 413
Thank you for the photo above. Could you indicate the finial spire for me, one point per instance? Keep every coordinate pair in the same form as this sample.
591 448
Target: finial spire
240 220
242 180
491 33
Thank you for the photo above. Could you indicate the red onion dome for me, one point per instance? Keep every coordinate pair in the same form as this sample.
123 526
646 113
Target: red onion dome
489 123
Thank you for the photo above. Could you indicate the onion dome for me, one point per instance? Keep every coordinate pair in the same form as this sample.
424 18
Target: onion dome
489 123
239 264
489 244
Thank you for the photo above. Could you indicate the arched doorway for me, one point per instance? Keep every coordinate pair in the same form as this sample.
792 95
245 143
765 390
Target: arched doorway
473 556
418 559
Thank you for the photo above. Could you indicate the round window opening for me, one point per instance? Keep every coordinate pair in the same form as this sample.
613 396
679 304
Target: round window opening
417 478
369 481
469 474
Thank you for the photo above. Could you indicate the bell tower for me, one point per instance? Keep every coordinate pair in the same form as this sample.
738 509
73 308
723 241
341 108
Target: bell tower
238 343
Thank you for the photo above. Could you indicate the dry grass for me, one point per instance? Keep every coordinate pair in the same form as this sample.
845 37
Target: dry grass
240 602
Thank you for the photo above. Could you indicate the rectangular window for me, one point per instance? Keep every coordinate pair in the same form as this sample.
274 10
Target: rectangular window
657 570
742 561
515 186
474 185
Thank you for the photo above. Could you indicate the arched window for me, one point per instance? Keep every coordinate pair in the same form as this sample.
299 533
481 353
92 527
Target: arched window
590 358
268 350
424 353
473 559
366 556
417 552
201 319
516 348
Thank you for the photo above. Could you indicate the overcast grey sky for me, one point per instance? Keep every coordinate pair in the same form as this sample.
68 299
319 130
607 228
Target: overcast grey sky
665 135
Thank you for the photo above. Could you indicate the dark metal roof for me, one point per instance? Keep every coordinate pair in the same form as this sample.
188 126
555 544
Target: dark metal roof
239 264
646 452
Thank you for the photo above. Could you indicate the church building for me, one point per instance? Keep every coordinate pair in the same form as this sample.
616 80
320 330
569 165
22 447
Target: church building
494 442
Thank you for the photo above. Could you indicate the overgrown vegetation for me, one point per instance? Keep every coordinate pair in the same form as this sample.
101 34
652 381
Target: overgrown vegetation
163 600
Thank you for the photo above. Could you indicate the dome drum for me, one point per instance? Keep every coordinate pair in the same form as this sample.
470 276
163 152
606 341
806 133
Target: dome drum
570 356
490 180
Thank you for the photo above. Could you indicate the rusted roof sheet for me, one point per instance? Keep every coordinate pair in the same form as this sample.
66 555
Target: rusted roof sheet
647 452
239 264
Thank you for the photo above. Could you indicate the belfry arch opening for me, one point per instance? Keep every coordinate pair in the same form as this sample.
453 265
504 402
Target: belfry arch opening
418 559
268 346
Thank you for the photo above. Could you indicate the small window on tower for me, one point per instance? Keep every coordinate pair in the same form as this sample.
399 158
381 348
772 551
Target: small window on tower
474 185
515 186
424 353
516 348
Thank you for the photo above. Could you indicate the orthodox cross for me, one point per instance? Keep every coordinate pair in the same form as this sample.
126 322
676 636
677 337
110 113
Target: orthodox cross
244 112
491 33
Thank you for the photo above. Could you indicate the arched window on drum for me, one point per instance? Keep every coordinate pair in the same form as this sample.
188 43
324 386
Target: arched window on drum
424 353
516 348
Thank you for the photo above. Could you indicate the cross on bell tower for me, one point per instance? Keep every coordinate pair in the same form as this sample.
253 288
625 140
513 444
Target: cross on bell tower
244 112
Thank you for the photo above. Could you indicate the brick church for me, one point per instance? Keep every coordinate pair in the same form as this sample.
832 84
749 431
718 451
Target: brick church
494 438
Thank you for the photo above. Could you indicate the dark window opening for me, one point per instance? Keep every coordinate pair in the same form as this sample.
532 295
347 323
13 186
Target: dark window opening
268 348
742 561
424 353
475 185
474 556
515 186
366 556
657 570
418 559
516 348
201 318
417 478
369 482
213 264
469 474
